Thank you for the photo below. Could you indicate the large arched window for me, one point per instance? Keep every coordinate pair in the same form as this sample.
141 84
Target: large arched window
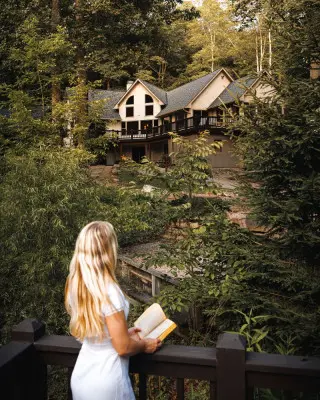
130 100
130 107
148 99
149 105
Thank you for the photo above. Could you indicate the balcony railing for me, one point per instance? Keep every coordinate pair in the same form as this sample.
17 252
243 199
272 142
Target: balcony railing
232 372
187 125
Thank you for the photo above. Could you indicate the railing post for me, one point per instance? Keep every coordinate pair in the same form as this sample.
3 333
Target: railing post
231 359
156 284
29 331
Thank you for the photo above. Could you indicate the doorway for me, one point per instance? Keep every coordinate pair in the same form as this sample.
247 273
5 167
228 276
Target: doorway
132 127
138 152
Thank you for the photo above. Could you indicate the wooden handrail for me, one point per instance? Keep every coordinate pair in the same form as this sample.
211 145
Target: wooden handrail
182 126
232 372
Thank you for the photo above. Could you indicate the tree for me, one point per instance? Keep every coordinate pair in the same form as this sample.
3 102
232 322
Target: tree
217 42
280 142
190 171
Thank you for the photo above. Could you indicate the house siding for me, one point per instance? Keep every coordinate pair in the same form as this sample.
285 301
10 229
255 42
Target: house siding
139 92
214 89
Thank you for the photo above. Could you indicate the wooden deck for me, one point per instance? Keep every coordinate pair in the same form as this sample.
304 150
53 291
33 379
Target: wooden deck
183 127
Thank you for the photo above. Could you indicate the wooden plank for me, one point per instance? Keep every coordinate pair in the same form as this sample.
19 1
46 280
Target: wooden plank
142 387
180 389
58 344
70 370
170 370
231 358
213 390
281 364
168 353
12 353
295 383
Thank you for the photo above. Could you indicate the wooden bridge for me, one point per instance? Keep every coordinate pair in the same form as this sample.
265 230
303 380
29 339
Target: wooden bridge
145 283
232 373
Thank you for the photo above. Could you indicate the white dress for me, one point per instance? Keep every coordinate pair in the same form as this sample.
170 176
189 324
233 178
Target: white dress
100 373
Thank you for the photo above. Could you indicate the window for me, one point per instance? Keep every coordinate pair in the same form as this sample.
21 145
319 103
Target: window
149 110
155 122
130 100
148 99
129 112
129 107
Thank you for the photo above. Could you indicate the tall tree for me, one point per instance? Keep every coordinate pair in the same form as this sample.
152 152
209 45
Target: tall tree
280 142
216 41
56 86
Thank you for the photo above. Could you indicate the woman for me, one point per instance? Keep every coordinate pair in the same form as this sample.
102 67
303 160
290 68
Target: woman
98 311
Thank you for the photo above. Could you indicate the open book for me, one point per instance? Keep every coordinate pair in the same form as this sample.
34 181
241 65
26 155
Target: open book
154 323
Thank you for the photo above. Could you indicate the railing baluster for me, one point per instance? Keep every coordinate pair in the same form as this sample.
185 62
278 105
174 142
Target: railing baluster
142 387
69 383
180 389
213 390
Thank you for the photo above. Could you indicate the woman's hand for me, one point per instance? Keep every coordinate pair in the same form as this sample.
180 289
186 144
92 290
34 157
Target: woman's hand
133 333
151 345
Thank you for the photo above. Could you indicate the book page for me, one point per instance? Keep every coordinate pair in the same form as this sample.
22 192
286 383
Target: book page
162 330
150 319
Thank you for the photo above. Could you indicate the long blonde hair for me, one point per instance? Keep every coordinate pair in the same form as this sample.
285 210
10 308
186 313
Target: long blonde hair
92 267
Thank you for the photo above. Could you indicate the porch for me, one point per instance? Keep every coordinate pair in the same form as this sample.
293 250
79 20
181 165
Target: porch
216 124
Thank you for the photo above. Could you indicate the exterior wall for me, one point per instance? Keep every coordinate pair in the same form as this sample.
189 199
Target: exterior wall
223 158
156 151
261 90
139 92
113 125
112 156
215 88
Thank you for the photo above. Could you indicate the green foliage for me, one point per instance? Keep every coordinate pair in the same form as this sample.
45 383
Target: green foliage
46 197
226 268
279 143
253 334
190 171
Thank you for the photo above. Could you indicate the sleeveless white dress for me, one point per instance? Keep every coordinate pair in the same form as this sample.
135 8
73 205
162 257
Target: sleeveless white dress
100 373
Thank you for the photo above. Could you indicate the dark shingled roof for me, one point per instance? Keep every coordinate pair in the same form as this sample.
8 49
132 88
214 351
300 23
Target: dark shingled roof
159 93
233 92
111 97
180 97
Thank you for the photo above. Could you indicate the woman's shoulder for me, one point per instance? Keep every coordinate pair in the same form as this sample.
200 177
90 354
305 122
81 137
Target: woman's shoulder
113 289
116 300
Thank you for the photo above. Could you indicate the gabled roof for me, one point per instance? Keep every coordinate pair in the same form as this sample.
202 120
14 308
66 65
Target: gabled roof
111 97
234 91
158 92
180 97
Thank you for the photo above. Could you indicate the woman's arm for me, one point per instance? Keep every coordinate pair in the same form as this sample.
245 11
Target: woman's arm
121 340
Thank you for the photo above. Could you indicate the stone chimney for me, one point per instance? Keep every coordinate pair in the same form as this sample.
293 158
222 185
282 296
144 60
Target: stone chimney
315 69
129 84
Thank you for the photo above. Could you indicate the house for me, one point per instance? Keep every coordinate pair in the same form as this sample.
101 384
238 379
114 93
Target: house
143 115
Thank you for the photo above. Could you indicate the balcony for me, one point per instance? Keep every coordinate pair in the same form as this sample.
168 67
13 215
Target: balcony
232 373
183 127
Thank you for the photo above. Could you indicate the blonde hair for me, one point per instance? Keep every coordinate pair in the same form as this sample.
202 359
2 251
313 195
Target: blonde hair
92 267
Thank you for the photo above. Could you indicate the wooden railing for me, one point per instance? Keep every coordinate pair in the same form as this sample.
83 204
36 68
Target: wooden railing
148 282
232 372
192 124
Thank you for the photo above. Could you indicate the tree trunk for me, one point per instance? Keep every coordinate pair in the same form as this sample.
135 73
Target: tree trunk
270 50
55 85
81 78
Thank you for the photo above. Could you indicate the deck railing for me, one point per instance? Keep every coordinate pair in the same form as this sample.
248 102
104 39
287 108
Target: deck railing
187 125
232 372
